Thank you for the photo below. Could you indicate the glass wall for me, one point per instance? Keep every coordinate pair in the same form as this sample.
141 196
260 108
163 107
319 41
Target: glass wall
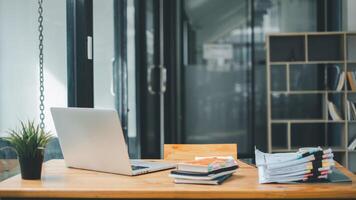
107 60
219 75
217 72
103 34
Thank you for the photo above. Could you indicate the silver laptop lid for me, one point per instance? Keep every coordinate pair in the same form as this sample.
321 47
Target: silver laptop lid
92 139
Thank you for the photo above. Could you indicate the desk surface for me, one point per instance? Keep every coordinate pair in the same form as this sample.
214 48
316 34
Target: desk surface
61 182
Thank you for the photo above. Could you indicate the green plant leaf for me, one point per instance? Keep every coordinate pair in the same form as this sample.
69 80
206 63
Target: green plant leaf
28 139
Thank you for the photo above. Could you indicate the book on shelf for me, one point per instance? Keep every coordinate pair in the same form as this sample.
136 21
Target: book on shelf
334 112
333 73
352 145
348 108
205 170
305 165
341 81
351 110
351 77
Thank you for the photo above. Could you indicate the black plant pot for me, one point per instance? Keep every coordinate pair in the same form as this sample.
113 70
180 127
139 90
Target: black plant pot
31 167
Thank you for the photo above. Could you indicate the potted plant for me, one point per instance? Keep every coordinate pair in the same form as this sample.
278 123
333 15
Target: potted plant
29 142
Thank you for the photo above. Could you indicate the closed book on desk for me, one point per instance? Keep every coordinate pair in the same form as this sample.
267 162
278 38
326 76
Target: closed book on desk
216 181
187 173
206 165
205 177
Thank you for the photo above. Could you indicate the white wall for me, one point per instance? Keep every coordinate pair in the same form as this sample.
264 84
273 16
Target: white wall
19 74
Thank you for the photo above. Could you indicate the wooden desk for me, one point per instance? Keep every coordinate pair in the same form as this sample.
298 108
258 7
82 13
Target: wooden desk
61 182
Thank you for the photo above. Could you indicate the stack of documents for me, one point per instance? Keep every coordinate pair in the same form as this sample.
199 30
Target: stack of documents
306 165
205 170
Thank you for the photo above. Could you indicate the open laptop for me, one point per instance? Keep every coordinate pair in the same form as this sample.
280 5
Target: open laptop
93 139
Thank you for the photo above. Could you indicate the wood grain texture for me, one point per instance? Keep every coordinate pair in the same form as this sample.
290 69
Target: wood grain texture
190 151
59 181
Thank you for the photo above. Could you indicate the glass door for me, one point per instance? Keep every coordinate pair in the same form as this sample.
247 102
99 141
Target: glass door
206 47
114 64
129 75
150 77
217 73
215 59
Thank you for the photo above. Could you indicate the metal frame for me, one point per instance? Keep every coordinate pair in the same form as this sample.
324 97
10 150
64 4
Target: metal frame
252 121
79 67
140 48
148 127
120 63
172 37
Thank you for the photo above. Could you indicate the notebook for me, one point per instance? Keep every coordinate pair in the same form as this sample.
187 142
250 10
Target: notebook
216 181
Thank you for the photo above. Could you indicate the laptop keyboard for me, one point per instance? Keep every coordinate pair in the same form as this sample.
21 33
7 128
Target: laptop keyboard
135 167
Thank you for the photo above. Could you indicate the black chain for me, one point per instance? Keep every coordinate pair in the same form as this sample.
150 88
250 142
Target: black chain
40 46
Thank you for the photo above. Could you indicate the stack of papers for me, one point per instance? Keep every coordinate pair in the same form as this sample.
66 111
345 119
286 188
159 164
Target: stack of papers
205 170
306 165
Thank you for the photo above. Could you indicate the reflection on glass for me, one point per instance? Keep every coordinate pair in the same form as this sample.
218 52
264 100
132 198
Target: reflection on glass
103 34
272 16
217 72
279 82
131 79
295 106
279 136
104 60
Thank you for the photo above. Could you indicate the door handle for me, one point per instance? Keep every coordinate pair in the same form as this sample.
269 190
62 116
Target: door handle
112 85
161 89
163 79
149 79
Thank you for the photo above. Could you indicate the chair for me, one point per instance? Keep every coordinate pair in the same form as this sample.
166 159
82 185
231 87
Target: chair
8 167
190 151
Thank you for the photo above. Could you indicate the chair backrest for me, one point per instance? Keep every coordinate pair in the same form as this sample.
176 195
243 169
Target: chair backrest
8 167
190 151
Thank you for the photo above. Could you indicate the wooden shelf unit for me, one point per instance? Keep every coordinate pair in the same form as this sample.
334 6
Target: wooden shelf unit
286 50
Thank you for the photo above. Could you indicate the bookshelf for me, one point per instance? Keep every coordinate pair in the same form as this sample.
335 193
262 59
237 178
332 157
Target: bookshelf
303 71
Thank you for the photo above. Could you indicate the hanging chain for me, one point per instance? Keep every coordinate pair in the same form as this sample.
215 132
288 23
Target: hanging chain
40 46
